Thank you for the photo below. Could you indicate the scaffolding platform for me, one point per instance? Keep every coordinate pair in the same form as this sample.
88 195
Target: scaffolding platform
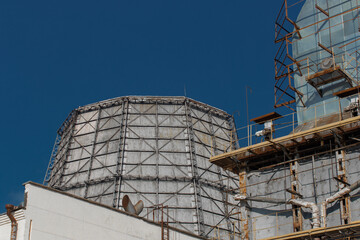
350 230
272 151
347 92
328 76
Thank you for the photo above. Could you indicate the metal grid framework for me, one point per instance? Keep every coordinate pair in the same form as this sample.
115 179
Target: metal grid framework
154 149
288 32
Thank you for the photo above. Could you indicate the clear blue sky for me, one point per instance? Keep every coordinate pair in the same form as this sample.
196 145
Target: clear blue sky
58 55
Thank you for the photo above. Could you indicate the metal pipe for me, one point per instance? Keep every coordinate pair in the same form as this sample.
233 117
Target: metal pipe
314 209
336 196
355 185
9 209
130 208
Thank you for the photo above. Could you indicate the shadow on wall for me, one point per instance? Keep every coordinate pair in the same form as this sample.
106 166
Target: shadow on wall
263 211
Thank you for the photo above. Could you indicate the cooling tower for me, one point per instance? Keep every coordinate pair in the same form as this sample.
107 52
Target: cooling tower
154 149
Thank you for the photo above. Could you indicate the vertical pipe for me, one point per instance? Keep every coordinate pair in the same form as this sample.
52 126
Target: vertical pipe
162 222
247 113
30 228
251 134
314 177
157 152
9 212
315 116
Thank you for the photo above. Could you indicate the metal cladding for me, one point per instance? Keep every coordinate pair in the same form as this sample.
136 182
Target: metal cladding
154 149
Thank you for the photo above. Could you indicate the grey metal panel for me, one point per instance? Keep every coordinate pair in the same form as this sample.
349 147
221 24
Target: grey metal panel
154 149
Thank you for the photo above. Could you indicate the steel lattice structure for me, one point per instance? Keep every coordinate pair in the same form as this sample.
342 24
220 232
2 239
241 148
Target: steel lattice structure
154 149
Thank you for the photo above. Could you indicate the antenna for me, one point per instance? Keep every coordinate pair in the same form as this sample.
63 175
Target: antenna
247 104
247 113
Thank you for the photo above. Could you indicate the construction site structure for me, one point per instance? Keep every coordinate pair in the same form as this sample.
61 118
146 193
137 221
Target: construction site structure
299 173
154 149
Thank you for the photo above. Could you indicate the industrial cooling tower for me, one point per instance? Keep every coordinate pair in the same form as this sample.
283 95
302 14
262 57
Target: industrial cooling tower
154 149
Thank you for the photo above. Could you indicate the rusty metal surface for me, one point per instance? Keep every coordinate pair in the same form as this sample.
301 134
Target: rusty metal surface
294 183
266 117
244 221
9 211
350 231
130 208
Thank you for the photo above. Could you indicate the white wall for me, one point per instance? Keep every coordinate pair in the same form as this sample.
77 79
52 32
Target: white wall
57 216
5 225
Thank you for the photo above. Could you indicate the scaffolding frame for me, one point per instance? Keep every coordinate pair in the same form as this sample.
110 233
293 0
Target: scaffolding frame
335 134
287 32
330 148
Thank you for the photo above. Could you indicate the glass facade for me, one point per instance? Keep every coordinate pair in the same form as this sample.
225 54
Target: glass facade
319 34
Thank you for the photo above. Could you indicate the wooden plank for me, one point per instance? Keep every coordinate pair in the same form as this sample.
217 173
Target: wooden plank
347 92
318 232
323 72
285 103
266 117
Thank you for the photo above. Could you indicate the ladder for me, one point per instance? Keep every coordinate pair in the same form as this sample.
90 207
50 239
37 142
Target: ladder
164 223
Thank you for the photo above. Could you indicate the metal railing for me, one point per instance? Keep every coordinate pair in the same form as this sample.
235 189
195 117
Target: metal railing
286 124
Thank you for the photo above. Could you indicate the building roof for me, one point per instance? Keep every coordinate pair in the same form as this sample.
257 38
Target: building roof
111 208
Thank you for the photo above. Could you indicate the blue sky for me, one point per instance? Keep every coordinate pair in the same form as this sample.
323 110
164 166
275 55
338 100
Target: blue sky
58 55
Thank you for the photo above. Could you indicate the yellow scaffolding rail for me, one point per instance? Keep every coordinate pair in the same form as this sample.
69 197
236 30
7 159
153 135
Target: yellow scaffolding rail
345 231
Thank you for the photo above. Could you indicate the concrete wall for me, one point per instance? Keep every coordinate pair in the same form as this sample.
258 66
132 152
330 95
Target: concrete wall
53 215
316 183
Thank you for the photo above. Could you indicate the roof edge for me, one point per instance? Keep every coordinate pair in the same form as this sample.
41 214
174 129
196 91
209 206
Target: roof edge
110 208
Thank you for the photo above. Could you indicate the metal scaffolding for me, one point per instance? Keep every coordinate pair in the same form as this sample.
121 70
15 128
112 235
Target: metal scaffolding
297 172
289 32
154 149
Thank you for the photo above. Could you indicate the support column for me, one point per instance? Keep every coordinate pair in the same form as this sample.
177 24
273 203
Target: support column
341 175
244 209
121 154
198 216
294 183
